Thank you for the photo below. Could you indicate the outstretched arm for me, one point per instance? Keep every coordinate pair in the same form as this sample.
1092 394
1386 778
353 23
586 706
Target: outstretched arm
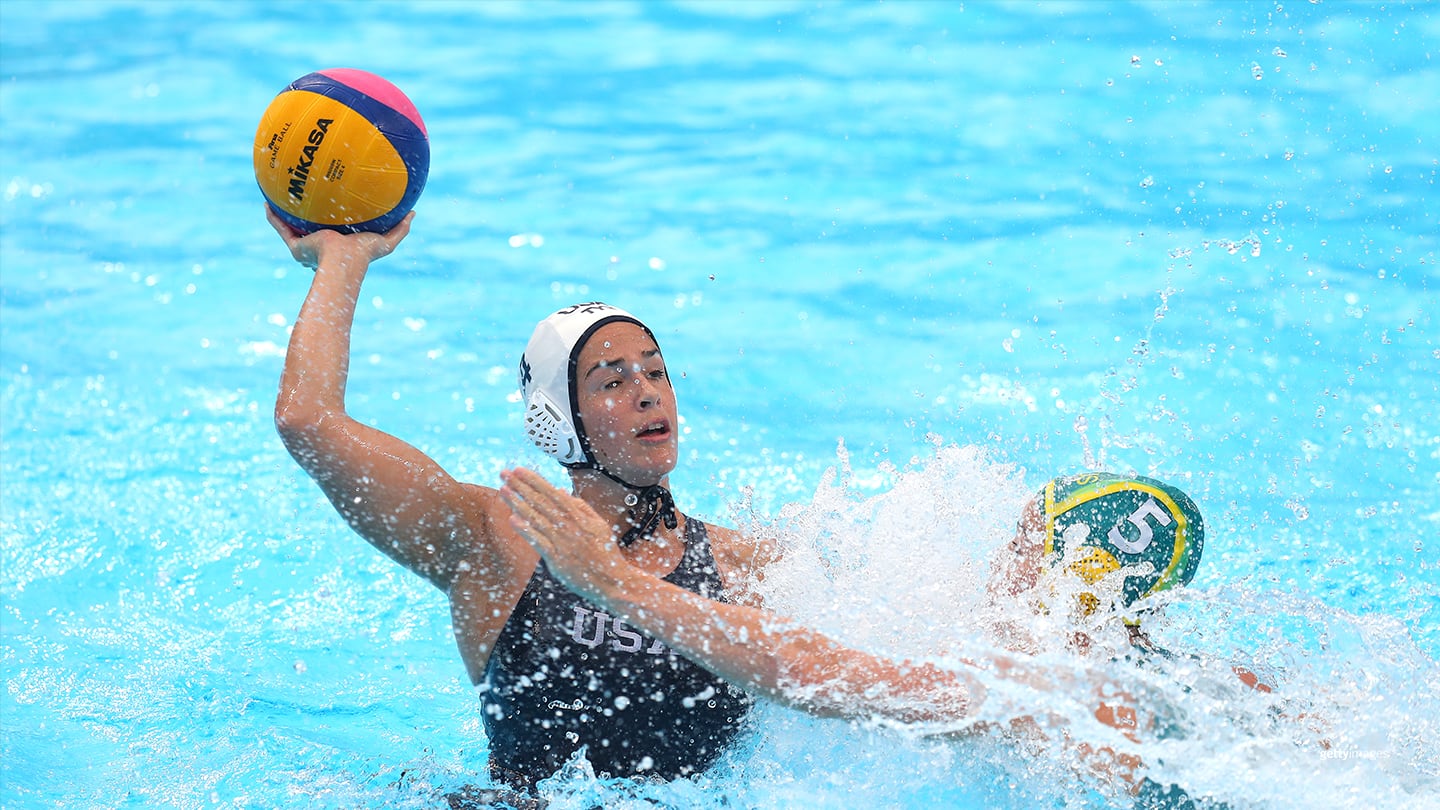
749 647
392 494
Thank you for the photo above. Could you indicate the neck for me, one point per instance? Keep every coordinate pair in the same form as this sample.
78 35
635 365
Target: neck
635 512
604 493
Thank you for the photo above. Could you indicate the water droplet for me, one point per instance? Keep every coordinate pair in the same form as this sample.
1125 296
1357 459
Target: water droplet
1257 71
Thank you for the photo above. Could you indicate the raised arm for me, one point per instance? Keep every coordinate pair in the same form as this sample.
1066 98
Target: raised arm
389 492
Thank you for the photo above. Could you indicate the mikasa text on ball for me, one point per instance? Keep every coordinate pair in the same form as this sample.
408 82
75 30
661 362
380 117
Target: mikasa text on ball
341 149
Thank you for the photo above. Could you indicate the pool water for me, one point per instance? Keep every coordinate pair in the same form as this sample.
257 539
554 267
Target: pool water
907 260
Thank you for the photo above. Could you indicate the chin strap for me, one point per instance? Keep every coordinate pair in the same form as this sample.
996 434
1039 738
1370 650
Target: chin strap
654 504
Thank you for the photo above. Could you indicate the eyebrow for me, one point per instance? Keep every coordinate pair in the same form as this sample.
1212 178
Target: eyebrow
645 355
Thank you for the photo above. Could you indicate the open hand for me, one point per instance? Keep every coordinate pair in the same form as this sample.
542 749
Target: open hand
578 545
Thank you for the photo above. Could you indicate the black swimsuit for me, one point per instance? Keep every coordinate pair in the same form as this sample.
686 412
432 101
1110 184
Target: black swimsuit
564 674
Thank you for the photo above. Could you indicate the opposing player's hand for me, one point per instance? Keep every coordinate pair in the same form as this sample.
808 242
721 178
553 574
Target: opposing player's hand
577 544
311 249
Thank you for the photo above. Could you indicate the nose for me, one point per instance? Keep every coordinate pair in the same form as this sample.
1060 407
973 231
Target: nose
649 393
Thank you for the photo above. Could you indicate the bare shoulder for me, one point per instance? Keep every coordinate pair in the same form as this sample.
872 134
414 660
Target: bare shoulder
742 558
493 553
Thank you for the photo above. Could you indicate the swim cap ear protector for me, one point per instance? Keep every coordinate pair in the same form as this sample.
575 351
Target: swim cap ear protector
547 379
1098 523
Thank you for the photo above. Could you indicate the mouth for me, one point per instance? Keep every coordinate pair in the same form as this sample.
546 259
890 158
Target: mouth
654 431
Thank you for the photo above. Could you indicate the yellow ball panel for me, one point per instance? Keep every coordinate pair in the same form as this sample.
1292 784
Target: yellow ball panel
323 162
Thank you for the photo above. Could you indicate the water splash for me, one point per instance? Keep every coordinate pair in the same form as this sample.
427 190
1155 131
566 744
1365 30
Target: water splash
943 517
904 573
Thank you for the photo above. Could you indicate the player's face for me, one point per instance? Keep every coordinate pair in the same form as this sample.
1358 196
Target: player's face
1016 567
626 403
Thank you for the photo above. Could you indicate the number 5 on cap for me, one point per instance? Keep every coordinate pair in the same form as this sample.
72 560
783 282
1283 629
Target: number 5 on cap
1148 509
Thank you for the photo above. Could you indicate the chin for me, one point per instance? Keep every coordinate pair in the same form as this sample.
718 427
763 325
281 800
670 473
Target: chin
660 467
649 466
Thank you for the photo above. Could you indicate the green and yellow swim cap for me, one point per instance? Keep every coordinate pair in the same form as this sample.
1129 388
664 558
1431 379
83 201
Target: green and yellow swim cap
1098 523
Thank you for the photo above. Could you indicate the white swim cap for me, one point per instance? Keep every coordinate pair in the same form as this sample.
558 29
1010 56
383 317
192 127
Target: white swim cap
547 379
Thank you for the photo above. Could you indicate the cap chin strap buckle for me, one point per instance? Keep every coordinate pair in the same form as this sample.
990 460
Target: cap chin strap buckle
656 505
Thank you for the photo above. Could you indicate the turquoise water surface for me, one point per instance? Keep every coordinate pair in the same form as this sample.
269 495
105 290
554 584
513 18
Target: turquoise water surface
907 260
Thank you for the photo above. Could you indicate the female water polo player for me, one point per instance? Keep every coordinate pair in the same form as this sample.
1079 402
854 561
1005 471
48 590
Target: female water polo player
557 674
